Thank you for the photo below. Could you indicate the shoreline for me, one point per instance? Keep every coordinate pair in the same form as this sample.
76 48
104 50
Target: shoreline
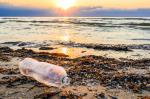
91 76
96 46
75 50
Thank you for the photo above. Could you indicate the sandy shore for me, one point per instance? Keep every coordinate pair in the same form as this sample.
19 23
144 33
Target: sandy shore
92 77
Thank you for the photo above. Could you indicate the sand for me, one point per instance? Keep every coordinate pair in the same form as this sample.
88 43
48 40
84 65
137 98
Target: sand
92 77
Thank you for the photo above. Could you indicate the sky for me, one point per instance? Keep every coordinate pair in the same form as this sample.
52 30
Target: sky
130 8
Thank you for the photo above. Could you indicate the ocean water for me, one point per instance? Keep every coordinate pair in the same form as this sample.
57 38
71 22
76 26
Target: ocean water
95 30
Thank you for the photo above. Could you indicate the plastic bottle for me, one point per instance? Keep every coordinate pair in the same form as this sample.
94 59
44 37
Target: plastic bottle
43 72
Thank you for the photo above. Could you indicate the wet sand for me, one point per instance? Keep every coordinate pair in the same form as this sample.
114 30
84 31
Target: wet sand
92 77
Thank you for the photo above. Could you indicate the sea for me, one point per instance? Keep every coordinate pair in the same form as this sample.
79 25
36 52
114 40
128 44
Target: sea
48 31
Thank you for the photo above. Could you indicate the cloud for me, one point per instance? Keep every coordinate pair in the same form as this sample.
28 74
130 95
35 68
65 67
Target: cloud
104 12
9 10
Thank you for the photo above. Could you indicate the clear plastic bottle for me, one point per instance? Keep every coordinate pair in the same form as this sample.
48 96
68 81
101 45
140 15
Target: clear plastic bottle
49 74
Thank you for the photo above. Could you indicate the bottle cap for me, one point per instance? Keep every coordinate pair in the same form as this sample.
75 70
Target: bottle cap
65 81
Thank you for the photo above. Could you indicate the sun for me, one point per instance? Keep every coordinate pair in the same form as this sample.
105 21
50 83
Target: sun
65 4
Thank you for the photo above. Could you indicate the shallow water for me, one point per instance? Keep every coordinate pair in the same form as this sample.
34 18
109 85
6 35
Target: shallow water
96 30
85 30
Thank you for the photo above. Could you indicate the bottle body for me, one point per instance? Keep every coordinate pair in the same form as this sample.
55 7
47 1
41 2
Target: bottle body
48 74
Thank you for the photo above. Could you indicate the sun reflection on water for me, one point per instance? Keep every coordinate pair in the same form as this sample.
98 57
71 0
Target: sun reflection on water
64 50
65 38
72 52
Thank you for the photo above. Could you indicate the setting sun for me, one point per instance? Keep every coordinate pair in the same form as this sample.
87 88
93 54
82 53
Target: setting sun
65 4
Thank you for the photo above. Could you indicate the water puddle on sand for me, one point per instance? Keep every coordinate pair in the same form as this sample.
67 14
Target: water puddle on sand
75 52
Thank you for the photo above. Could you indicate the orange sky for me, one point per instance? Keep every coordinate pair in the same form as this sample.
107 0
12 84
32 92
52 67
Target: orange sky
121 4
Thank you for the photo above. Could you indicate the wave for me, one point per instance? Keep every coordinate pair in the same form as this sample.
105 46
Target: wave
39 25
2 21
136 24
99 23
28 21
142 39
116 18
9 18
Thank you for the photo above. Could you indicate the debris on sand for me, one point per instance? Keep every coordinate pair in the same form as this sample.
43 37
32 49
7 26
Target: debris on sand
12 43
5 50
46 48
93 70
104 71
4 58
101 96
98 46
143 97
47 94
59 54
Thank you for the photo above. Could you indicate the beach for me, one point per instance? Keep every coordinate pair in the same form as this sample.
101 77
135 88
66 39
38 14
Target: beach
99 65
91 77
